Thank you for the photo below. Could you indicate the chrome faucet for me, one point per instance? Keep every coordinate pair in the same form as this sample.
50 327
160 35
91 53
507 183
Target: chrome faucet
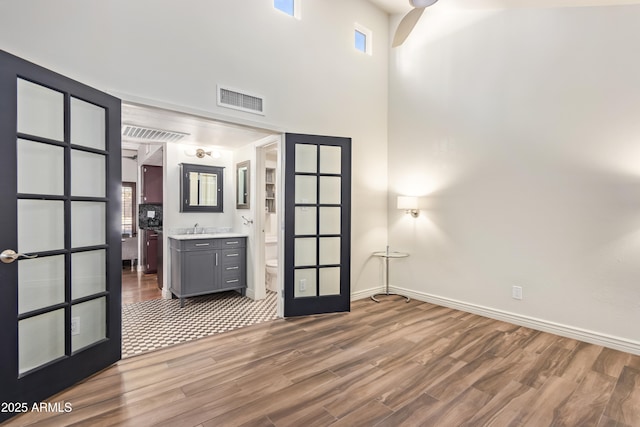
195 228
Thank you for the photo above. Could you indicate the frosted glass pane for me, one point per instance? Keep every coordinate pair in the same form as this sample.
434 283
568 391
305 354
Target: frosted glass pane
330 159
88 273
40 168
330 281
306 158
40 111
90 319
329 220
87 174
305 283
40 340
87 224
329 250
87 124
305 222
306 189
330 190
305 251
40 282
40 225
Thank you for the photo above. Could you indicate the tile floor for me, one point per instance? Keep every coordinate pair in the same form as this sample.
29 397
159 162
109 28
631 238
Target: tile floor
150 325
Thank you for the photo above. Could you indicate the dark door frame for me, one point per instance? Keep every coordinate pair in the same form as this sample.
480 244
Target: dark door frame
46 380
327 303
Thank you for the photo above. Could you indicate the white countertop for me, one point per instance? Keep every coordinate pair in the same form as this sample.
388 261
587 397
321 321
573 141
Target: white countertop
206 236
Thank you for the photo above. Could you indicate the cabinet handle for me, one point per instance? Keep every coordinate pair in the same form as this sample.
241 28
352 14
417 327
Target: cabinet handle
232 243
233 268
216 258
202 244
233 281
233 254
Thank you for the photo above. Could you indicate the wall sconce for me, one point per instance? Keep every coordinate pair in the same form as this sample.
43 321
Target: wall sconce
409 205
200 153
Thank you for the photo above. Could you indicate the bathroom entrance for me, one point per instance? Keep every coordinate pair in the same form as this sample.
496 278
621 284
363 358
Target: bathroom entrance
269 201
151 319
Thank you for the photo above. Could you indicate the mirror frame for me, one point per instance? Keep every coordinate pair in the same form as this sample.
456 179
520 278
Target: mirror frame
185 170
247 185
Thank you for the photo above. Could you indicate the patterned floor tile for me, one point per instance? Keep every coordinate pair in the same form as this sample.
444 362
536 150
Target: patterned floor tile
150 325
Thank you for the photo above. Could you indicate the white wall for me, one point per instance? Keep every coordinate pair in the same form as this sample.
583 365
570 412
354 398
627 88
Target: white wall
520 130
176 52
245 153
172 217
129 168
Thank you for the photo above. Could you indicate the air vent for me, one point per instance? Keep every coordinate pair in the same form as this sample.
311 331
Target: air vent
240 101
150 134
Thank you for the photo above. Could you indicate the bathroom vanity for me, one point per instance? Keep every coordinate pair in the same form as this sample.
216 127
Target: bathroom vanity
207 263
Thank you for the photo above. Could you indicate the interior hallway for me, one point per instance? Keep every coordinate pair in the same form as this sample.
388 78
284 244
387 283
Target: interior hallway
138 287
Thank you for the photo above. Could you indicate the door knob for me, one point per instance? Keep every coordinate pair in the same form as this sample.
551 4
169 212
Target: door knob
8 256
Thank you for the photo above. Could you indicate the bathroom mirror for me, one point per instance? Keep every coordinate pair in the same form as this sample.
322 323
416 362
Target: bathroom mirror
242 185
201 188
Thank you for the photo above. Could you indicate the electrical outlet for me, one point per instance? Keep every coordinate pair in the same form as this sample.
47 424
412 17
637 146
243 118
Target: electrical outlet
303 285
516 292
75 326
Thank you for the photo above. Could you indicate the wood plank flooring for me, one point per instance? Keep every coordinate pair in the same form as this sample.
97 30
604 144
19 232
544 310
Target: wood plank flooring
387 364
138 287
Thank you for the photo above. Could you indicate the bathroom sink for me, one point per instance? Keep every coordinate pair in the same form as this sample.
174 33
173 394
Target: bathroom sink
206 236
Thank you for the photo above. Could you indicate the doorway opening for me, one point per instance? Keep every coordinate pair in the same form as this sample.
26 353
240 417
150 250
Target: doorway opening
152 318
269 239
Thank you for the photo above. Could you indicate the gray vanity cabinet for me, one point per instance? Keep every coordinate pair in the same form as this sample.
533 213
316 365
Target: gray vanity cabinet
204 266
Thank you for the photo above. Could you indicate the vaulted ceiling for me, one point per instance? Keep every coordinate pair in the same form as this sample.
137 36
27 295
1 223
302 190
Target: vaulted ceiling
204 131
402 6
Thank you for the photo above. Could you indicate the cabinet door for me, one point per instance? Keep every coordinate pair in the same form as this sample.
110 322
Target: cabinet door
159 261
152 184
151 252
200 272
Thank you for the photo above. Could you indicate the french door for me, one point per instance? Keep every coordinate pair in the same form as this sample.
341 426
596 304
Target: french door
317 248
60 232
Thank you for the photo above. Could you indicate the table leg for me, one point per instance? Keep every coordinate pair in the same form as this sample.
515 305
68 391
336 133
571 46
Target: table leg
386 293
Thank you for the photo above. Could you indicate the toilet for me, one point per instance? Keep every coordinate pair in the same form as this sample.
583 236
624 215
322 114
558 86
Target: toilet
271 265
272 274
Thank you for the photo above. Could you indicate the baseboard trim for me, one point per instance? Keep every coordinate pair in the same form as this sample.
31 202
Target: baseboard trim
366 293
609 341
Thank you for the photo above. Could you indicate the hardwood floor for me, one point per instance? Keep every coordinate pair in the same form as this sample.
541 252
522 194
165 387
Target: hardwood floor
387 364
138 287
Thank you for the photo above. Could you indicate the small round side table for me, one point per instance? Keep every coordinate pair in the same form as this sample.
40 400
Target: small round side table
387 255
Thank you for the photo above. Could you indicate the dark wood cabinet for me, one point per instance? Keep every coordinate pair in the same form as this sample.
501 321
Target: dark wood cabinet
150 248
159 259
152 184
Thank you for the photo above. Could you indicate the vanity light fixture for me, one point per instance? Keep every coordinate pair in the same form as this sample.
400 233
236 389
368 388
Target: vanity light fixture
200 153
409 204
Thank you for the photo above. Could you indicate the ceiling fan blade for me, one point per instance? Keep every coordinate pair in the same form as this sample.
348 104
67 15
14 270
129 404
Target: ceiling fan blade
406 25
422 3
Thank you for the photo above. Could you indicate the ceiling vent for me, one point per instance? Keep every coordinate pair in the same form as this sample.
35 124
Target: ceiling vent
240 101
150 134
